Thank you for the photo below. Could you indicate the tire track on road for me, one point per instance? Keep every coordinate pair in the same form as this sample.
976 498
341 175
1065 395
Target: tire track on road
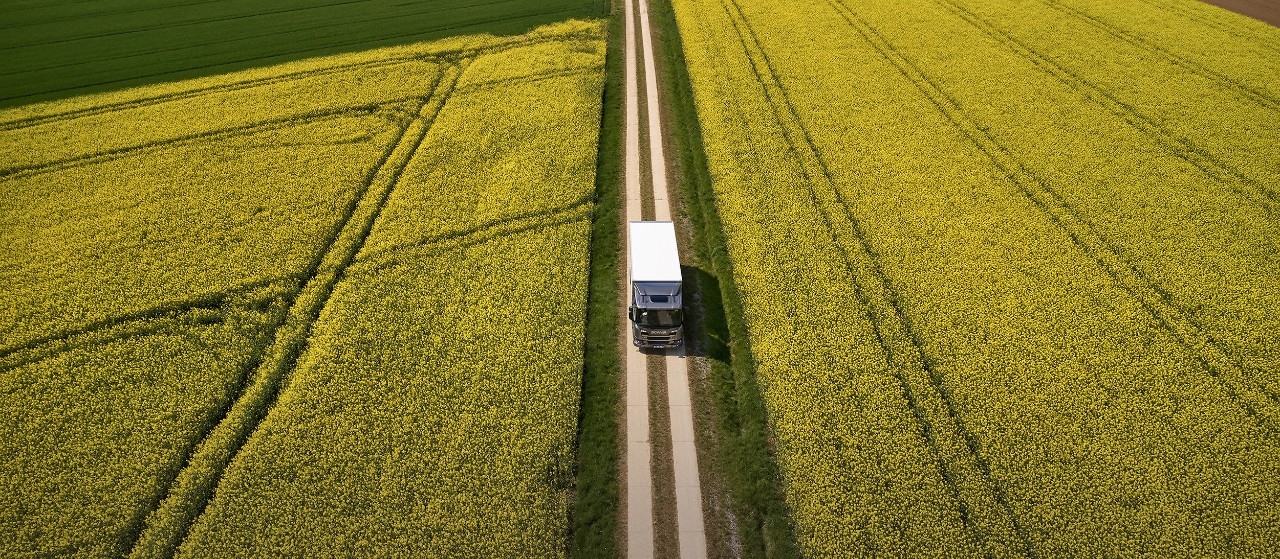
690 523
639 467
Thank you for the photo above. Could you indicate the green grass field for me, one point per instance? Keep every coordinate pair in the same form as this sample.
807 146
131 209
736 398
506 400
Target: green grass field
1040 264
54 50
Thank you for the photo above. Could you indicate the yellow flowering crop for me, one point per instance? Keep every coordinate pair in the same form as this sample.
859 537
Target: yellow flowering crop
434 412
1004 298
364 269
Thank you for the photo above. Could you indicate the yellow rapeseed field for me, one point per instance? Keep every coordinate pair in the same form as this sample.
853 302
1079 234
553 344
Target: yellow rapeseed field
1010 269
332 306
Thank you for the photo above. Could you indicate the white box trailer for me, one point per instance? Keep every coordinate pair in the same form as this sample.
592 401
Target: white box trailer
657 308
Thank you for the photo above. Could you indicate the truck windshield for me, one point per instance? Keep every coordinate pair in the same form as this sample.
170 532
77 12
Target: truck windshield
660 318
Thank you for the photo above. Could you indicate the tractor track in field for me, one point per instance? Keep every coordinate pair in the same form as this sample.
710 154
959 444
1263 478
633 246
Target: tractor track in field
1252 396
328 50
174 322
307 33
528 78
245 130
206 301
40 120
968 479
391 256
160 319
93 14
189 492
446 56
1257 96
1211 166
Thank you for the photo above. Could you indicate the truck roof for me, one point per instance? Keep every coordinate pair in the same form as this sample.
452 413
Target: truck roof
654 256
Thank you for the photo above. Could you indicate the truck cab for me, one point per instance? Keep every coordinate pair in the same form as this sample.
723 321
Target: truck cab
657 304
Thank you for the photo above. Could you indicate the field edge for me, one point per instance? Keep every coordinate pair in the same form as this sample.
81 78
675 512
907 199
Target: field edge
594 527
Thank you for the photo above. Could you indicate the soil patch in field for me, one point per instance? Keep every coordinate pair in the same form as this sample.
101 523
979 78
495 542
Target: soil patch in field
1265 10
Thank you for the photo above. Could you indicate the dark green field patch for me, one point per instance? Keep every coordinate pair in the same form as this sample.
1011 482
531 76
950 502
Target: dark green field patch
57 51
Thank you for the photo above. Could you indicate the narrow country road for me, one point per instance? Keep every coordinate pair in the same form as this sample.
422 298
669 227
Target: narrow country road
640 522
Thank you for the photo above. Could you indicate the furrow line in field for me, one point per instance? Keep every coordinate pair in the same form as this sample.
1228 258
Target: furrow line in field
37 6
203 301
174 25
1246 91
981 502
478 234
244 130
458 242
1176 145
529 78
194 484
1256 400
1173 8
178 96
95 14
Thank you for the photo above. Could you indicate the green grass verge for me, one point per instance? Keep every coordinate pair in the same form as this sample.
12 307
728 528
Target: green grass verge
744 457
594 528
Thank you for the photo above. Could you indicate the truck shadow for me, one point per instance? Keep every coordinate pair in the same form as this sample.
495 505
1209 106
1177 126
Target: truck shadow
706 328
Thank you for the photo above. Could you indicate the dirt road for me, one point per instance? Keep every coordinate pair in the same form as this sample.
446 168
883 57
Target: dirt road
639 471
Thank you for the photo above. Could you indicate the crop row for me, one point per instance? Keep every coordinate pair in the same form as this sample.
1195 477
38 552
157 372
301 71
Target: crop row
1007 312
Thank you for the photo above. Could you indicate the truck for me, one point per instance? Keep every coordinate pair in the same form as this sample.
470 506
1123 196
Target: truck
657 307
